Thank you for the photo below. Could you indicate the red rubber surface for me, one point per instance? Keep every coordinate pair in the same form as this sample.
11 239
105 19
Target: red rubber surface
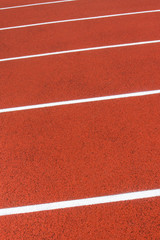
8 3
79 75
83 150
79 8
57 153
65 36
126 220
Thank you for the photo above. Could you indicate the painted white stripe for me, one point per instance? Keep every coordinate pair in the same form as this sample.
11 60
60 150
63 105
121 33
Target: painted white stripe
36 4
81 202
79 19
79 50
85 100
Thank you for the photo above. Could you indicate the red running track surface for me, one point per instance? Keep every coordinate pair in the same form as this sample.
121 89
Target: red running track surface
76 9
57 154
79 75
84 150
83 34
8 3
126 220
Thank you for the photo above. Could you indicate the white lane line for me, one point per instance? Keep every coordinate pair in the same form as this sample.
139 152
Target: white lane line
79 19
80 202
85 100
36 4
79 50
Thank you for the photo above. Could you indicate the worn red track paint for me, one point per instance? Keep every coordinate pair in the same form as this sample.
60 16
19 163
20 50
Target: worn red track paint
57 154
79 75
74 35
125 220
79 8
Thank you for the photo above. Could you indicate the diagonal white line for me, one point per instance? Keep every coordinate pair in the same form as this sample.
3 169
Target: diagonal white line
81 202
79 50
79 19
36 4
85 100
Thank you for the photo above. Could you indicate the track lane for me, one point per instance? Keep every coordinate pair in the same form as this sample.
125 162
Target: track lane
79 75
136 220
74 35
35 4
79 19
79 8
57 154
125 220
8 3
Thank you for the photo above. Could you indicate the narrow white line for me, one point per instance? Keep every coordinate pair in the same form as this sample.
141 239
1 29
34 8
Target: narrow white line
79 19
80 202
85 100
79 50
36 4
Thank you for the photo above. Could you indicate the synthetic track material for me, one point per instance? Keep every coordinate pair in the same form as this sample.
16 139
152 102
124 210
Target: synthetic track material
83 150
36 4
80 50
76 9
78 101
137 219
79 75
81 202
44 166
88 35
79 19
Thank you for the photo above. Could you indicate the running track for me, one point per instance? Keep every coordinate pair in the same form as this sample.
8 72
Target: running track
79 119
